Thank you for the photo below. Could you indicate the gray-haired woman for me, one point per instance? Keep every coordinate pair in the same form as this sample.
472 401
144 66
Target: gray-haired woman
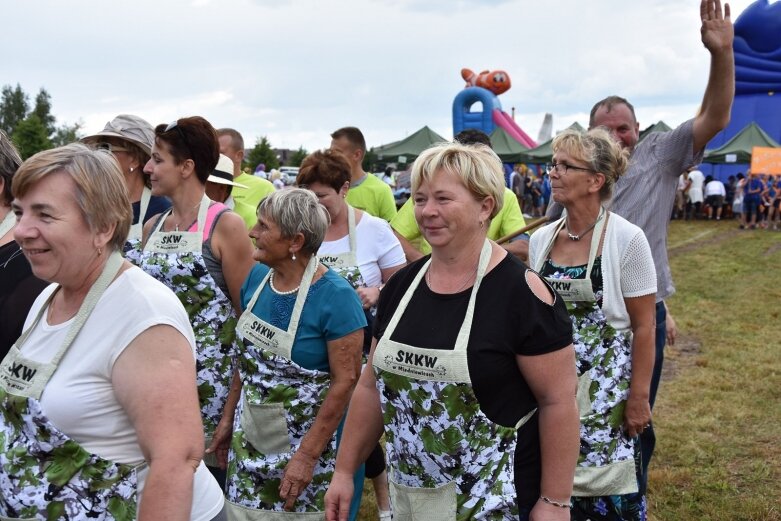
303 330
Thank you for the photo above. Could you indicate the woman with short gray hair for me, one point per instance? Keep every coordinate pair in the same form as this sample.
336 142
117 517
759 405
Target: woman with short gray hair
302 328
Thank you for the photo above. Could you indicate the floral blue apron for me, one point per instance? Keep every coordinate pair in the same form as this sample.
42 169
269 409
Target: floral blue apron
606 464
279 403
447 459
176 259
45 475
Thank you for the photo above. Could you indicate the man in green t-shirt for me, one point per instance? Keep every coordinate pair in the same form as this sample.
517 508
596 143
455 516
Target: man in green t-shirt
232 145
366 192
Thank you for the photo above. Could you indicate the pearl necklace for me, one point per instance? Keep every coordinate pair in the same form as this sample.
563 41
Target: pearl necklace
275 290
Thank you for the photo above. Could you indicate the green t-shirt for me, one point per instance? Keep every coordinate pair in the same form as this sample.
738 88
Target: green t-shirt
374 197
246 212
508 220
257 190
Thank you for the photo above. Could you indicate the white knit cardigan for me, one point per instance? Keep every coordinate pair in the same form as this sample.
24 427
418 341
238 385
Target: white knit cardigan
627 266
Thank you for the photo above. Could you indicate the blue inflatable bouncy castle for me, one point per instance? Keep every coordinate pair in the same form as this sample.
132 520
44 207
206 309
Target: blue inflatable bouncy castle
488 118
464 117
757 78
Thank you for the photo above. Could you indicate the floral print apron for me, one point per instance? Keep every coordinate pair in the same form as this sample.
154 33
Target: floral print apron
137 229
606 464
45 475
447 459
176 259
279 403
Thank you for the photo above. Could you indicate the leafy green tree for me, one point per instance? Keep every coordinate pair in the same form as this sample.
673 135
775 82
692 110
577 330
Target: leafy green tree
30 136
298 156
66 134
13 108
43 109
262 153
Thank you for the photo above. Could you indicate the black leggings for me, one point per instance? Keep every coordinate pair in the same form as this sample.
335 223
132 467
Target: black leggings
375 463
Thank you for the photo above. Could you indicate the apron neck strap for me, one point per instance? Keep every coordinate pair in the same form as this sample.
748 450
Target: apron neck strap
303 290
462 339
351 229
110 271
203 209
8 222
146 195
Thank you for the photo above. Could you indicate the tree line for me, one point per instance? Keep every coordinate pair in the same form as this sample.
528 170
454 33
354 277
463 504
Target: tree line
33 128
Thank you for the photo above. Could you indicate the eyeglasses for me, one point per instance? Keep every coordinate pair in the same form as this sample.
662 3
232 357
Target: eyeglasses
561 168
174 125
110 147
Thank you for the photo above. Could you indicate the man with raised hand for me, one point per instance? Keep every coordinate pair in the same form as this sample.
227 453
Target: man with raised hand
646 193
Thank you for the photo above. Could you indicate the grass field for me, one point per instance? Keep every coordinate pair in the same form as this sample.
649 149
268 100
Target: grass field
718 413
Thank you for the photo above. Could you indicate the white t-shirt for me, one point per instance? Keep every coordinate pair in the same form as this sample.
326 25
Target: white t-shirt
79 399
698 180
715 187
378 248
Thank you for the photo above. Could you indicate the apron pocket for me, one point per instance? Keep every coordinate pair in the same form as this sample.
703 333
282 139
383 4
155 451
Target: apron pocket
265 427
423 504
583 396
242 513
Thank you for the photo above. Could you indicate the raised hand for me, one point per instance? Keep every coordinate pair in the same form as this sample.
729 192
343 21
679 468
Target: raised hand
717 31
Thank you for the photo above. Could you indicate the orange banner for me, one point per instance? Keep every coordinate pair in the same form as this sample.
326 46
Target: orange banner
765 160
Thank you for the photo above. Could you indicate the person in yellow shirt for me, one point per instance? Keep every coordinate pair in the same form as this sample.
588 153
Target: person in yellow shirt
366 192
508 220
232 145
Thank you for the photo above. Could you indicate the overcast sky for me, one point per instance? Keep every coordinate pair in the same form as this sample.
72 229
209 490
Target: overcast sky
295 70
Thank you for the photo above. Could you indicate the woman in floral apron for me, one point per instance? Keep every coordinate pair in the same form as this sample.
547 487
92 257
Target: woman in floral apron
302 329
362 249
201 251
601 265
130 139
458 333
98 402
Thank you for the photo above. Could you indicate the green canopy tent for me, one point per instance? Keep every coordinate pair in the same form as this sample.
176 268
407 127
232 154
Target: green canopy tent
738 149
507 148
544 153
410 147
661 126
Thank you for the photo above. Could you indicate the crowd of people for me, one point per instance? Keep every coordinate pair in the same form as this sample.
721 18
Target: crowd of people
184 340
753 201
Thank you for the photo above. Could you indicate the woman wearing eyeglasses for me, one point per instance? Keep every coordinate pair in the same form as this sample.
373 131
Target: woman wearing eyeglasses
601 266
200 250
130 139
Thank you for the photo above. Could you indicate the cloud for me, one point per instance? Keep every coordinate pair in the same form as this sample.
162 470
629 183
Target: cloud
295 70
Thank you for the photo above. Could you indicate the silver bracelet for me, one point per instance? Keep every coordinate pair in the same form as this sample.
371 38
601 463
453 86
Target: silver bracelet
554 503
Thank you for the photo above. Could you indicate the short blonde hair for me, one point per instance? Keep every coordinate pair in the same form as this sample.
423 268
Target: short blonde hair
599 151
479 168
100 187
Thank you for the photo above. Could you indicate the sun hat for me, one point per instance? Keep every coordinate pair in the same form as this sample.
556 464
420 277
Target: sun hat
130 128
223 173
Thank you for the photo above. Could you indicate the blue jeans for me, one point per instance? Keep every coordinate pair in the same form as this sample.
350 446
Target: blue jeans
647 437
